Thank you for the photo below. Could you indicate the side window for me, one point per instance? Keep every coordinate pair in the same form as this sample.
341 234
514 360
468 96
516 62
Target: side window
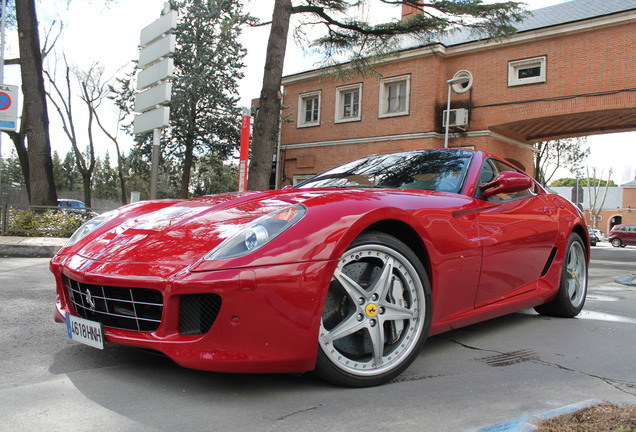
489 171
309 109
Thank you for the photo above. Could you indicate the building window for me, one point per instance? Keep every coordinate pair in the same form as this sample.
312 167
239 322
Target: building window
309 109
394 96
528 71
301 178
348 103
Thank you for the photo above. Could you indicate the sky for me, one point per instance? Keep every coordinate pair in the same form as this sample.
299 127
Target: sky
110 34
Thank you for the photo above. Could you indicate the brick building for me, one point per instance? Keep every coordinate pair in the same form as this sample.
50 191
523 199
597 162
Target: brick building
619 206
569 71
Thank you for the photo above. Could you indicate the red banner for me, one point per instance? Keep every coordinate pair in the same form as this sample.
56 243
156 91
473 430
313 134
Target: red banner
245 150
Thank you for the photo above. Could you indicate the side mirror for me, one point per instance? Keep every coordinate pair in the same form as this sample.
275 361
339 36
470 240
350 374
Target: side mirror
506 182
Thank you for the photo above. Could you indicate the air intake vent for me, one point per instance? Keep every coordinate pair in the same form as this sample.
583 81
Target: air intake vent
198 313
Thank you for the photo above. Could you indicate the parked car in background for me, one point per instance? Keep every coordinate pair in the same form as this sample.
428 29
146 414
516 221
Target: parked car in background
74 206
593 237
623 235
600 235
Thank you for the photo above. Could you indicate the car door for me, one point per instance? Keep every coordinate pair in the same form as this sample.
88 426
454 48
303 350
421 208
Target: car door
518 232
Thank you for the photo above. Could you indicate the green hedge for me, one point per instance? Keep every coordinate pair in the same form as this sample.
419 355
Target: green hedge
42 223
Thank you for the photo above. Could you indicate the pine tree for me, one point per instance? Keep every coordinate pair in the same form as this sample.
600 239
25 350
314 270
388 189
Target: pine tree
204 117
358 41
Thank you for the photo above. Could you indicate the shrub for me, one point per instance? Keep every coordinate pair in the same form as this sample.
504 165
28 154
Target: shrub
38 223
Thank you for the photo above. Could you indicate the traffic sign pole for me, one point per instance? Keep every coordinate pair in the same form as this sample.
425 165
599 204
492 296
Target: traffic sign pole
154 168
157 45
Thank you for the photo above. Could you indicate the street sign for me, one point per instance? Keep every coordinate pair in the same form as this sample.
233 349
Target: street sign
158 43
153 119
8 107
158 28
156 50
157 95
153 74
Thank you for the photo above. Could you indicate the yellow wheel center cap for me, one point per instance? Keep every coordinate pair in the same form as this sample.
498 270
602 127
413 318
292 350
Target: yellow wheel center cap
371 310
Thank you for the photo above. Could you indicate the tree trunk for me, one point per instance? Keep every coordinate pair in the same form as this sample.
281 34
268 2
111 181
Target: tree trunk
41 178
187 168
266 124
87 183
122 179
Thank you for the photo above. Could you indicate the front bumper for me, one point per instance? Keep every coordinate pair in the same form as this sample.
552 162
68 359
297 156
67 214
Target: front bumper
268 320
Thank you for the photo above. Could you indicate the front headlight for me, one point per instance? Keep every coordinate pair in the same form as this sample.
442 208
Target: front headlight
257 234
91 226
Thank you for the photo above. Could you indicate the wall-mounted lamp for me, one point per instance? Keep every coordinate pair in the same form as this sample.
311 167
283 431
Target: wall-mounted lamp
461 82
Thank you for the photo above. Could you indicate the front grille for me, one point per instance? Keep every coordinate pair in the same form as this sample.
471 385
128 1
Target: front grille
120 307
198 313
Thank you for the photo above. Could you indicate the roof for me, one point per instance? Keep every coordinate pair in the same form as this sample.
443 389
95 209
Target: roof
568 12
613 200
631 184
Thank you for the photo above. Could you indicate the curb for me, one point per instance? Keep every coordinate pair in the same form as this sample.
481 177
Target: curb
28 251
530 423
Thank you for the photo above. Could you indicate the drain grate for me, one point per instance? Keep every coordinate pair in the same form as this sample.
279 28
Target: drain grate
510 358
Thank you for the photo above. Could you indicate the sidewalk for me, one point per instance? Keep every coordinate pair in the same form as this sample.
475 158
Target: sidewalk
33 247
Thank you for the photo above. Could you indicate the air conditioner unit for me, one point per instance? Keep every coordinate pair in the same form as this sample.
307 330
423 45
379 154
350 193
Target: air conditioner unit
458 118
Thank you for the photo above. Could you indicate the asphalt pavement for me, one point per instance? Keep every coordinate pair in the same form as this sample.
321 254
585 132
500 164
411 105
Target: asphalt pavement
44 247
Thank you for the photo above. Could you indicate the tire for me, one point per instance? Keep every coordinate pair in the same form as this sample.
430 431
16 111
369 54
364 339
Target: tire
573 287
616 242
376 315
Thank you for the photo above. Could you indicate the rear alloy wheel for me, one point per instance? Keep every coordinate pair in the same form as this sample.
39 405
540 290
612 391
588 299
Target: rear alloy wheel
376 315
617 242
573 289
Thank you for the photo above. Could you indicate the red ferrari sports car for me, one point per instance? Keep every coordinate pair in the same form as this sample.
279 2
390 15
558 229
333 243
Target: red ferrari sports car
345 274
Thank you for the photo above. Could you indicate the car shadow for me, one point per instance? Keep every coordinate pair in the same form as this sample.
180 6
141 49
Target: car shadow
140 384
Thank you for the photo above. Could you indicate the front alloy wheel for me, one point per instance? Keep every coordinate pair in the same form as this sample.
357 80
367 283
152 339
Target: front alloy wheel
573 289
376 314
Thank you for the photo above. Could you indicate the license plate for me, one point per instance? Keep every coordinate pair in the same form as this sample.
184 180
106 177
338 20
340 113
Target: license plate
85 331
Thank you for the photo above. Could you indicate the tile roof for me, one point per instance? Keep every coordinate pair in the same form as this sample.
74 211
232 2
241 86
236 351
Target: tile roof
568 12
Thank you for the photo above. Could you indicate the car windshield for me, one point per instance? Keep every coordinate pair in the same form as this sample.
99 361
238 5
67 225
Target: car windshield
436 170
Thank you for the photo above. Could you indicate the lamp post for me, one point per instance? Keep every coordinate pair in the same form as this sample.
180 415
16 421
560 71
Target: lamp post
450 82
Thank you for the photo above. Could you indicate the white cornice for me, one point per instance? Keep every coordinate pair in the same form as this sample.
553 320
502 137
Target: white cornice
412 136
526 36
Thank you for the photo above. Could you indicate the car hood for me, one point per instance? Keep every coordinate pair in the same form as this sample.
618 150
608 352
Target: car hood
181 232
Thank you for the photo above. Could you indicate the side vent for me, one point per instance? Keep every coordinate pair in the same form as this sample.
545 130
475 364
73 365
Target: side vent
550 261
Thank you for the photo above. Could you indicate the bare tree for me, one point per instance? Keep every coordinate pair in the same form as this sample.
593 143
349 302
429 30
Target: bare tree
569 153
593 191
94 89
62 99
